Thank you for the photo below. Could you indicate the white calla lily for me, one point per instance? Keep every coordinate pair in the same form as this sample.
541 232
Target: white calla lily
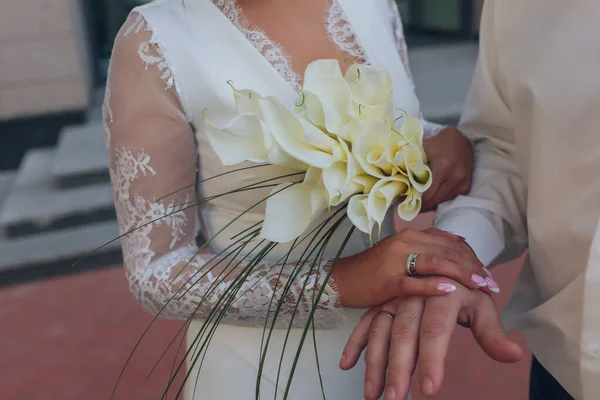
412 130
412 161
339 178
411 206
296 136
358 214
292 207
246 101
371 149
385 192
326 96
244 138
365 181
371 90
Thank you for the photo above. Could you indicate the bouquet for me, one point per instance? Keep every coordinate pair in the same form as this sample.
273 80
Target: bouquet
354 156
343 134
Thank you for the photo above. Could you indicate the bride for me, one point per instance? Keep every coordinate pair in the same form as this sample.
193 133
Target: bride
172 60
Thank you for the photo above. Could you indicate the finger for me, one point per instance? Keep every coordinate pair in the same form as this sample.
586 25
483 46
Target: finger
482 278
427 286
437 325
377 354
459 253
435 261
404 347
490 335
358 340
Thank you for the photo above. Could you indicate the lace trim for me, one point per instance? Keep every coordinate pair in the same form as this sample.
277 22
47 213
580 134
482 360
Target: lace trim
271 51
342 34
396 21
338 28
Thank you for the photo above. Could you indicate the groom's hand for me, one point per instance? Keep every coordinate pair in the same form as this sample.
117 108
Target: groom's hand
423 327
451 161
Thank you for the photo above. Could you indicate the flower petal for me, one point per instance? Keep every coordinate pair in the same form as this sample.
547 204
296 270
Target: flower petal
410 207
371 90
292 207
412 130
384 193
242 139
371 147
358 215
418 172
327 95
288 131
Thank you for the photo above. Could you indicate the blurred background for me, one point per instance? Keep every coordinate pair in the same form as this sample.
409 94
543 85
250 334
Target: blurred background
66 331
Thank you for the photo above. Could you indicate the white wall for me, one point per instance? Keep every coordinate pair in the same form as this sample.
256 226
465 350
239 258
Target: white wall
43 60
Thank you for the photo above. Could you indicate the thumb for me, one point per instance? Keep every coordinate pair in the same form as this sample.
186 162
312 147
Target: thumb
492 338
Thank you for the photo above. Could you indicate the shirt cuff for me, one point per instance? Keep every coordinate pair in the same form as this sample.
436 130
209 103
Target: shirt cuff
478 231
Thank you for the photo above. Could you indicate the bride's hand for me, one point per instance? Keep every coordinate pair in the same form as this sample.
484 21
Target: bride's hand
451 161
379 273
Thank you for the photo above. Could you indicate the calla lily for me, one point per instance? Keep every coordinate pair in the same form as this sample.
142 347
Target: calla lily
371 149
371 90
365 181
292 207
412 130
358 213
244 138
246 101
296 136
326 96
411 206
412 160
339 178
384 193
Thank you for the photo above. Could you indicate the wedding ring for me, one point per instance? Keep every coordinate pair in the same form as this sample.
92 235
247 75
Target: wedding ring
388 314
411 264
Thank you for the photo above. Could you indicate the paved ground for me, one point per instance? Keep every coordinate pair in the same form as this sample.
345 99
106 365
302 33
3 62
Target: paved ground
67 339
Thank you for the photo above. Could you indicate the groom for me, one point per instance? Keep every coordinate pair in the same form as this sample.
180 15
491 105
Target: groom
533 113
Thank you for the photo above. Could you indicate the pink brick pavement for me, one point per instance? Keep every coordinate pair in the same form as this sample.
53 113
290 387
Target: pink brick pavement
68 338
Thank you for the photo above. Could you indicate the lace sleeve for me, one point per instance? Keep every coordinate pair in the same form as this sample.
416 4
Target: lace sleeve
153 154
431 128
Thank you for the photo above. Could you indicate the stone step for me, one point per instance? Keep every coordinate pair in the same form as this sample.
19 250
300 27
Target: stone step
442 76
81 156
35 204
56 246
6 180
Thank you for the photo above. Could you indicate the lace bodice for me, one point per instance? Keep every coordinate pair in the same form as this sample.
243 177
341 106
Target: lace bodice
153 154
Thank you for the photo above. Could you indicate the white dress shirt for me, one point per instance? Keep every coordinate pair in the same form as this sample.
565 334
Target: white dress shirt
533 112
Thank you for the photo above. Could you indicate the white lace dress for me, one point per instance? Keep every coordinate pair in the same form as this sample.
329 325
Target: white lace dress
172 60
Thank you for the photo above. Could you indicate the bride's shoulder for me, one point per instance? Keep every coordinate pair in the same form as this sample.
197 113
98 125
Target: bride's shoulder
172 11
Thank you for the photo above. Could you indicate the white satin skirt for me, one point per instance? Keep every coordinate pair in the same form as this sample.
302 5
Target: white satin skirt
230 367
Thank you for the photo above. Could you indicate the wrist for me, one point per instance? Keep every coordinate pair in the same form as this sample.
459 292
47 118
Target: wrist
338 279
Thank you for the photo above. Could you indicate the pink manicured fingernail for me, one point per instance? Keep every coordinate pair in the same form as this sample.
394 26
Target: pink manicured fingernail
427 387
390 393
369 389
478 280
343 359
446 287
488 273
492 285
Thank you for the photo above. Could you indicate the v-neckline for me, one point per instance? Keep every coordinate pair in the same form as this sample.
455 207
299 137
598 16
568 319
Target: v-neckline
297 89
